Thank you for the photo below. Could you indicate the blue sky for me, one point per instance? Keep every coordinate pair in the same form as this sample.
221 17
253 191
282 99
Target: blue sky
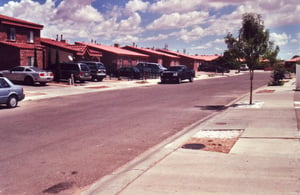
196 26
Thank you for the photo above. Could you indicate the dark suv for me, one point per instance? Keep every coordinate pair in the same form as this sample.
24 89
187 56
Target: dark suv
80 71
98 70
150 68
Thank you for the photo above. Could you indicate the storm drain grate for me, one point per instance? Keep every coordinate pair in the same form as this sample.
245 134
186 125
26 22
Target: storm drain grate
59 187
193 146
216 140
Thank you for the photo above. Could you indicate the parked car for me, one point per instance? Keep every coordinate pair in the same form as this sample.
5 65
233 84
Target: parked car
76 70
150 69
10 94
244 67
28 74
98 70
212 68
177 74
130 72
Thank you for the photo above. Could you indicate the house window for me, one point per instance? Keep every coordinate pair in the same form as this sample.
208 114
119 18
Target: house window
12 34
30 61
30 37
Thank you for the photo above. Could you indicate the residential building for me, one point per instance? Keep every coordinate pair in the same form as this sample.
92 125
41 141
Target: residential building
207 60
58 51
162 58
115 57
20 43
190 61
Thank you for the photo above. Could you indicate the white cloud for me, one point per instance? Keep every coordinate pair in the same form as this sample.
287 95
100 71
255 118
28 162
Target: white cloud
180 6
279 39
177 20
126 40
158 37
136 5
194 34
130 25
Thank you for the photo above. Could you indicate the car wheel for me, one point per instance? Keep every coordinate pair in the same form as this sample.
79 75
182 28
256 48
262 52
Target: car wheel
94 78
28 80
191 79
12 101
179 80
100 79
42 83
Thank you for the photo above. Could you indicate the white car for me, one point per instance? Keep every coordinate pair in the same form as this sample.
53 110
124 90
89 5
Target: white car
28 74
10 94
244 67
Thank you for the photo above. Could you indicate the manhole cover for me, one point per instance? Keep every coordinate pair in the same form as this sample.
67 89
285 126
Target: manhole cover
193 146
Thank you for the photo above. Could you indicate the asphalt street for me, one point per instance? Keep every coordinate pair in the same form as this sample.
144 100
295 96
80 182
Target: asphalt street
75 140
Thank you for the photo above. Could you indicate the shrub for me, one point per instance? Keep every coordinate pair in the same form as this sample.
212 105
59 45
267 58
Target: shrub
277 75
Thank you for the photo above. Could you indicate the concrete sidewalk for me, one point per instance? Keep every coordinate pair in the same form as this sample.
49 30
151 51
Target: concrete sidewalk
265 159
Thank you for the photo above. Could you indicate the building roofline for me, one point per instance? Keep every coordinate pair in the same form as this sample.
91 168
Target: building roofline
18 22
112 49
152 51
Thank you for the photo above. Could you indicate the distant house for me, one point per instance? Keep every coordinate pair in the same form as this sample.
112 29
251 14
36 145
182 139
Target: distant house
291 64
190 61
58 51
20 43
115 57
207 60
162 58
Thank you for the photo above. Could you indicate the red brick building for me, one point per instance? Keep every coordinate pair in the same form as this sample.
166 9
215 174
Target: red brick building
115 57
162 58
207 60
20 43
190 61
58 51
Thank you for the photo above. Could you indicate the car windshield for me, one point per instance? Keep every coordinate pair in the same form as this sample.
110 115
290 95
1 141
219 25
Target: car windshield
174 68
84 67
100 65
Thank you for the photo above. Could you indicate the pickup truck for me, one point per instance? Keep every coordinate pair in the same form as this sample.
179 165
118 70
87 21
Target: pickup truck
177 73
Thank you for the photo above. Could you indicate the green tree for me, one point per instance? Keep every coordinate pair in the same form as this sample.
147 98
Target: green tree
251 43
271 54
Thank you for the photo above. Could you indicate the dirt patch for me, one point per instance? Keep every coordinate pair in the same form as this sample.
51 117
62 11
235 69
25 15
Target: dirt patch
266 91
217 140
223 145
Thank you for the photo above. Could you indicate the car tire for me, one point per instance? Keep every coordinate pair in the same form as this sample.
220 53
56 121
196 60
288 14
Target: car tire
28 80
191 79
178 80
12 101
42 83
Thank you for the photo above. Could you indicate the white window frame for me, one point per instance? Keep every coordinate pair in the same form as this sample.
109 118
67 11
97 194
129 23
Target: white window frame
30 60
12 34
30 37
